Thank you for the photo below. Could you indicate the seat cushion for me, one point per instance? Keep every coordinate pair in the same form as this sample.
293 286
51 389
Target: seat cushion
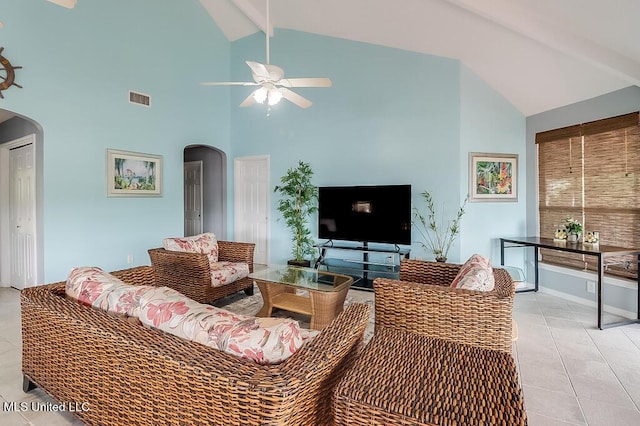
227 272
204 243
475 274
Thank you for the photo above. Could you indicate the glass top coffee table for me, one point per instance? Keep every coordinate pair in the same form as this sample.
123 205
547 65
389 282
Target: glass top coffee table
327 292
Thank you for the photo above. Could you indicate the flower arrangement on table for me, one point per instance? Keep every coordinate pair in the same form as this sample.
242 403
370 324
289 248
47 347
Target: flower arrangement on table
560 235
591 237
573 229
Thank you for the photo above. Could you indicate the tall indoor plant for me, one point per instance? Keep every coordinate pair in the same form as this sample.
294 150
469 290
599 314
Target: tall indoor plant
299 200
437 234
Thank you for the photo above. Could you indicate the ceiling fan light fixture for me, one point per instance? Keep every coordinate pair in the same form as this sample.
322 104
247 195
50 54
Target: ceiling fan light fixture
275 96
260 95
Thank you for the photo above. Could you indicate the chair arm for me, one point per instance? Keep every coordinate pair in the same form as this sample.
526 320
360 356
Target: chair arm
482 319
234 251
178 263
321 363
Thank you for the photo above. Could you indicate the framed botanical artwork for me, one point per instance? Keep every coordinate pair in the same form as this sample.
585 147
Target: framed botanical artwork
133 174
493 177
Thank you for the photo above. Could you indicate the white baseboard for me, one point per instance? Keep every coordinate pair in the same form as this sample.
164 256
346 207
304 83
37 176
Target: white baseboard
585 302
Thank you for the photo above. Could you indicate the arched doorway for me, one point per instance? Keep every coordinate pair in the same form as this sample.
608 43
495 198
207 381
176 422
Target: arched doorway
213 189
21 222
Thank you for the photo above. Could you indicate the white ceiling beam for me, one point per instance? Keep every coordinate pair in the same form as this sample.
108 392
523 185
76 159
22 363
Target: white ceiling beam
256 16
518 20
69 4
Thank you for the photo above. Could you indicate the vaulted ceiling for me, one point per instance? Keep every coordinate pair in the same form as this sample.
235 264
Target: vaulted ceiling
539 54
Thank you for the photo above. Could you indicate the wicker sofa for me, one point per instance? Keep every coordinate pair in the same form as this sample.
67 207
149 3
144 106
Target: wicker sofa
423 302
124 373
190 273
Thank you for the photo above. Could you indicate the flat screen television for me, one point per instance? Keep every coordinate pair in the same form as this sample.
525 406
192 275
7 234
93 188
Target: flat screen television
374 213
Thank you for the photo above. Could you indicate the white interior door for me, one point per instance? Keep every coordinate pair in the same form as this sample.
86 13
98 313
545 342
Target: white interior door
251 204
192 198
22 216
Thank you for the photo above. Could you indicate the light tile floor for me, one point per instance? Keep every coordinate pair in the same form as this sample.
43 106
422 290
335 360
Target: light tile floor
571 372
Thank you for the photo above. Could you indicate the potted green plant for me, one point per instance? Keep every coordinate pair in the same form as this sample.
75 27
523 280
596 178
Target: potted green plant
437 235
299 199
573 228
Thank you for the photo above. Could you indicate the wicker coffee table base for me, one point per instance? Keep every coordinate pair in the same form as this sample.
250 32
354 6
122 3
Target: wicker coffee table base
322 306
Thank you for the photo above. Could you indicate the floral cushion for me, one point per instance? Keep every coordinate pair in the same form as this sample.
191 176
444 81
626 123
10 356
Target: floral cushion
95 287
204 243
479 279
227 272
263 340
475 274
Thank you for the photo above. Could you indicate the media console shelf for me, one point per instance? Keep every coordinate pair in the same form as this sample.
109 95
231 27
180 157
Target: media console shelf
367 263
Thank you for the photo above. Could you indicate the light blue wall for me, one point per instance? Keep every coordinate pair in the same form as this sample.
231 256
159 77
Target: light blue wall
79 65
489 123
391 117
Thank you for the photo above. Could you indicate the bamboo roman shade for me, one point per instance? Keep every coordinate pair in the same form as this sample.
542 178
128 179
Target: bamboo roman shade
591 172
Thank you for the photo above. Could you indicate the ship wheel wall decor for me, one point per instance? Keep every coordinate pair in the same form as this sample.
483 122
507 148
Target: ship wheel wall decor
7 74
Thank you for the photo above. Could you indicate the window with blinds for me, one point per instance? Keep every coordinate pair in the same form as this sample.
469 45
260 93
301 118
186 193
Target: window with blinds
591 172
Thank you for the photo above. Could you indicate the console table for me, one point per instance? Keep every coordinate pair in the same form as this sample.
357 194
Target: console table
601 252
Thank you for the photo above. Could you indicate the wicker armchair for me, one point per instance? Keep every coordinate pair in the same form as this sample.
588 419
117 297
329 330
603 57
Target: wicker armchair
423 302
190 273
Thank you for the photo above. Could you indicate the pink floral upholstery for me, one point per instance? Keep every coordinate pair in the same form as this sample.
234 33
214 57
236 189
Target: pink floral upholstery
227 272
204 243
475 274
95 287
263 340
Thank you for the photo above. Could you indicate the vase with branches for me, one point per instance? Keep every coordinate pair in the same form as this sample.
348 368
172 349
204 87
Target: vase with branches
298 202
437 234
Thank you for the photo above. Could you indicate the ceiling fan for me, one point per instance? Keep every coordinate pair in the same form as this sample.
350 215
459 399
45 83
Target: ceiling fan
273 85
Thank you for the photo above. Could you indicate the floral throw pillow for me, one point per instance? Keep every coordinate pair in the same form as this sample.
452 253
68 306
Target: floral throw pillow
204 243
478 279
472 267
92 286
263 340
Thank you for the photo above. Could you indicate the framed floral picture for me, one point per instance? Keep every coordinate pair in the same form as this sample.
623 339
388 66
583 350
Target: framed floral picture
133 174
493 177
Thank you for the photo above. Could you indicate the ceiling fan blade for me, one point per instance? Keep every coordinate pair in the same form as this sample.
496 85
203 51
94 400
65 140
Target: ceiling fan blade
229 83
249 100
306 82
259 70
293 97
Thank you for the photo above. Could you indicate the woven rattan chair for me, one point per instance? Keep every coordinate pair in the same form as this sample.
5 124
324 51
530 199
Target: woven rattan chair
423 302
190 273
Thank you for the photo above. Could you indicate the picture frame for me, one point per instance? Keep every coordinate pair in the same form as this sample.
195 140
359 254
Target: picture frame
493 177
133 174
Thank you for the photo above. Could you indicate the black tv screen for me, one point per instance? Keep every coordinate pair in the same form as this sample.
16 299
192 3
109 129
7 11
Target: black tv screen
376 213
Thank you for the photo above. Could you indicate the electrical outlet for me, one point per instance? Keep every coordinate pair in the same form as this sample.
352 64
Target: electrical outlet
129 259
591 286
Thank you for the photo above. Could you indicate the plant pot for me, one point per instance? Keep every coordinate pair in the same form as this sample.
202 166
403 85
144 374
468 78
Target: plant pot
573 237
302 263
441 259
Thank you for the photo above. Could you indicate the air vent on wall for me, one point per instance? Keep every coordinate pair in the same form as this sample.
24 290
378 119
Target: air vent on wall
139 98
